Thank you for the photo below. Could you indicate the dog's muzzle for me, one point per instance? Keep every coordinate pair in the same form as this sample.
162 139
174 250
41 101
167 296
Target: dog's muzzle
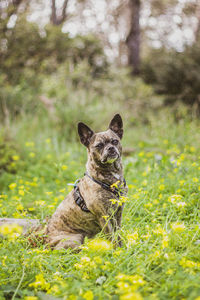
110 156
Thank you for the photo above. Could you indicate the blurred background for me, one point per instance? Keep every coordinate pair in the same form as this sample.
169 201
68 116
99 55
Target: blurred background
66 61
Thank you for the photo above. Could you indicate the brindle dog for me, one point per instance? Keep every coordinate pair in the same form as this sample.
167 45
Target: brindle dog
70 224
74 220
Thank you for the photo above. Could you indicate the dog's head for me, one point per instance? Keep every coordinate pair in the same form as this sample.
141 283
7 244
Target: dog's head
103 147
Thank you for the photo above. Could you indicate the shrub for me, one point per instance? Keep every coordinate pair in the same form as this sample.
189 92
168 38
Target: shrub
174 74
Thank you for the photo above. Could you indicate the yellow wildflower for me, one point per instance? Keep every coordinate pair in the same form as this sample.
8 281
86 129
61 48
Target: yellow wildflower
132 238
192 149
12 231
186 263
64 167
131 296
31 154
12 186
99 245
159 230
161 187
29 144
88 295
165 242
178 227
21 192
48 141
40 283
15 157
115 184
182 182
181 204
175 198
40 202
49 193
169 271
19 207
195 179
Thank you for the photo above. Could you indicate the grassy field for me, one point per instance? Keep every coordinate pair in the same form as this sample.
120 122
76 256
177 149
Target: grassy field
160 257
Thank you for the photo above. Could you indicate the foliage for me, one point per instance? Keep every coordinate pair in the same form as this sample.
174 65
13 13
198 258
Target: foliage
7 155
159 258
73 93
174 74
27 48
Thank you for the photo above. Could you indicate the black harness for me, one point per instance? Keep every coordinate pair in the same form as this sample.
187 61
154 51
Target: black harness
78 198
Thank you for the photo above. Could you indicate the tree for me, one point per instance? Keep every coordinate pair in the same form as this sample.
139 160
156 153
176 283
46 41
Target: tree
58 19
133 39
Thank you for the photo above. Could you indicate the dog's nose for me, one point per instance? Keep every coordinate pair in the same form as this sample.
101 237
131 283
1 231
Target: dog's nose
111 149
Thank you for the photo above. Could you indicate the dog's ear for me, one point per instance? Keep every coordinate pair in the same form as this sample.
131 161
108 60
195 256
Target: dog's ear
85 133
116 125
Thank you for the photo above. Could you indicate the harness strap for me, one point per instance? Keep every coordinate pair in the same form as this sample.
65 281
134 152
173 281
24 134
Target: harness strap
79 199
107 187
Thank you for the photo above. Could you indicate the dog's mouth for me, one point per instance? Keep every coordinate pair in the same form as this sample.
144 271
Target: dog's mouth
110 158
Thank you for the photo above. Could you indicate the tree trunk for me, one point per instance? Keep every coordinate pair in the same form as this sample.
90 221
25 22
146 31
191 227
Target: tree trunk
55 19
133 39
197 31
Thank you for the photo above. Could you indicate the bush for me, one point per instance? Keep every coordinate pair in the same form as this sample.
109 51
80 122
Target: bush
27 48
176 75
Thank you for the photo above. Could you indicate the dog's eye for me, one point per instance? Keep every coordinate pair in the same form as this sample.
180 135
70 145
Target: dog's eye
99 145
115 142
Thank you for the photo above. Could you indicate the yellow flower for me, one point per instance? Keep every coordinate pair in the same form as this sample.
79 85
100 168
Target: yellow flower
178 227
40 202
132 238
19 207
175 198
40 283
99 245
49 193
186 263
195 179
115 184
85 259
30 298
48 141
161 187
159 230
131 296
165 242
21 192
12 231
12 186
88 295
29 144
148 205
64 167
31 154
181 204
182 182
169 272
127 286
15 157
192 149
141 154
156 254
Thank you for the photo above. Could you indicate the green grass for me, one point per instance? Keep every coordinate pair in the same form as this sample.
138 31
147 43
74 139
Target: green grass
161 232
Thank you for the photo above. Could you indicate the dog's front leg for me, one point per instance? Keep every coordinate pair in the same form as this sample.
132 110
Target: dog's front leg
107 227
